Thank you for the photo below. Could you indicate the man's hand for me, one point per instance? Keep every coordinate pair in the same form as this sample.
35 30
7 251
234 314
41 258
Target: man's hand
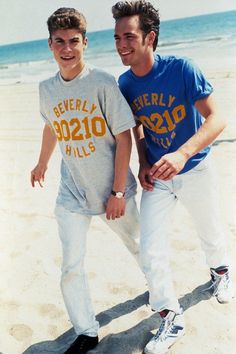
168 166
115 207
38 174
49 141
144 177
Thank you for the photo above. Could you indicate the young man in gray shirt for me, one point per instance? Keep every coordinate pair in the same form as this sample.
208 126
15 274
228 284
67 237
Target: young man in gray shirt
85 112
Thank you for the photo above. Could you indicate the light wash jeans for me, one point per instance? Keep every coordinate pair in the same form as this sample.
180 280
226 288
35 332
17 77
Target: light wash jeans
73 228
197 190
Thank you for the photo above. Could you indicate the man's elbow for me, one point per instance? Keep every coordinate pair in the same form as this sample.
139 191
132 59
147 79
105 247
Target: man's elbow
222 124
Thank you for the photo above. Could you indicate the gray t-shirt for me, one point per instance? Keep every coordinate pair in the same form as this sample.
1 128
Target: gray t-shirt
85 114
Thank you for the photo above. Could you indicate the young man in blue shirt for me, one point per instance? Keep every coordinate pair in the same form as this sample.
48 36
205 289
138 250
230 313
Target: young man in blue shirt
177 121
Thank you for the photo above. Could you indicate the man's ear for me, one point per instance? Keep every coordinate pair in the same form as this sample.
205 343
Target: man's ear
50 43
85 41
151 38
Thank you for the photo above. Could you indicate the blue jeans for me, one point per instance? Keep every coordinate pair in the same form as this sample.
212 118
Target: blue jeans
73 228
197 190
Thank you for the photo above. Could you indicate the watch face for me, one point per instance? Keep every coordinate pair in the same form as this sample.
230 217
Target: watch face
119 194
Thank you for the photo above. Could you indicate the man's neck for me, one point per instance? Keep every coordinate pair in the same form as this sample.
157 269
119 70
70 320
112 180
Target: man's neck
69 76
144 68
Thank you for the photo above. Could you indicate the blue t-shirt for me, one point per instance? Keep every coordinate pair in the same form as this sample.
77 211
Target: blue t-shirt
163 101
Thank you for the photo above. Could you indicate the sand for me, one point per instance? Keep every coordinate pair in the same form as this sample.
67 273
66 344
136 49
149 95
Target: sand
33 319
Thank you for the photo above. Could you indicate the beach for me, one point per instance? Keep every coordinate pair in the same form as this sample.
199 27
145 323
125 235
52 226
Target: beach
33 319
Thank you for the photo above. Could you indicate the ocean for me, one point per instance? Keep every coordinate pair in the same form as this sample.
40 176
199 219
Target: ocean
206 39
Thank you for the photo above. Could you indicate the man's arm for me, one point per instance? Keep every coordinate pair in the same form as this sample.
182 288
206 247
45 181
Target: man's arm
171 164
49 141
116 207
144 167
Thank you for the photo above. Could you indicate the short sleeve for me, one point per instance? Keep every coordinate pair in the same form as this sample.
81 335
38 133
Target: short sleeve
197 87
117 110
42 104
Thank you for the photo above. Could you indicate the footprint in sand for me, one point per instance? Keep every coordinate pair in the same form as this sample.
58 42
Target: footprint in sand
50 310
20 332
11 306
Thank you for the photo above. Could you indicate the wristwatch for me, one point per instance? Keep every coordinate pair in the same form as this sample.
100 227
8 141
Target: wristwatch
118 195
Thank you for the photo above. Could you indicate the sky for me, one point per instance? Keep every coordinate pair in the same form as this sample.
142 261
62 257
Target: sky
25 20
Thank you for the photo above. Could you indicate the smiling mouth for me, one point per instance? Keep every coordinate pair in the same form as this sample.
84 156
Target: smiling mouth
67 58
123 54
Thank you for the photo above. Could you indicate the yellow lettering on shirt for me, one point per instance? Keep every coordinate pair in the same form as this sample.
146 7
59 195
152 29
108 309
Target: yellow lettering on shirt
145 99
72 104
153 99
162 123
171 100
71 101
77 130
161 103
77 104
84 109
61 110
66 105
136 105
80 152
57 113
93 108
68 150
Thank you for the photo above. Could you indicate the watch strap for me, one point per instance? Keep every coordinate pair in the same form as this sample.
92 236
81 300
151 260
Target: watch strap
118 194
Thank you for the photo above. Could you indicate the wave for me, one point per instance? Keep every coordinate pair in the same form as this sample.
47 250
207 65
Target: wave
101 52
107 57
185 42
25 64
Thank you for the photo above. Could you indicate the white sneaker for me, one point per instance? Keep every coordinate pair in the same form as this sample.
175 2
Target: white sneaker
222 286
171 329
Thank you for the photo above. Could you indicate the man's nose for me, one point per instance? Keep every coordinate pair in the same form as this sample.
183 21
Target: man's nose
122 43
67 47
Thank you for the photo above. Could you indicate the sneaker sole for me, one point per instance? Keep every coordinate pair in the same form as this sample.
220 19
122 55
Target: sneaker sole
146 351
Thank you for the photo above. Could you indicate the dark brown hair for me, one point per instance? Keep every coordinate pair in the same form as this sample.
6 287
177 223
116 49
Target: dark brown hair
149 19
67 18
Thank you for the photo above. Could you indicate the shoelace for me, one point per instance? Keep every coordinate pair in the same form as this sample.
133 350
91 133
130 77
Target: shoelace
164 330
217 282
